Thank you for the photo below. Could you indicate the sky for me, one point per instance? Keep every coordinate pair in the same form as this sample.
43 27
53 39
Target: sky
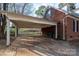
77 6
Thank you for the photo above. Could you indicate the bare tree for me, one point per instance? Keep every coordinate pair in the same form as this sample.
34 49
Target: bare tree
0 6
3 18
14 7
23 7
70 6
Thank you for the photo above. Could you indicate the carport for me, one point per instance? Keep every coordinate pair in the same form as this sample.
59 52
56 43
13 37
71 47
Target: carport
23 21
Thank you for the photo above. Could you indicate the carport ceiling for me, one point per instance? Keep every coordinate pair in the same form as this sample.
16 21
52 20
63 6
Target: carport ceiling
23 24
24 21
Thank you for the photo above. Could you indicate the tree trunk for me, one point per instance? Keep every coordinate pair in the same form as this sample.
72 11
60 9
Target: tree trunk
23 8
5 8
0 28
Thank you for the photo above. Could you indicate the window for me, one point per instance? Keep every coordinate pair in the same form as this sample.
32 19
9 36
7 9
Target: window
75 26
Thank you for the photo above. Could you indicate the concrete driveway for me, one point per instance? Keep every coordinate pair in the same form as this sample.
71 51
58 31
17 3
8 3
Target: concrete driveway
38 46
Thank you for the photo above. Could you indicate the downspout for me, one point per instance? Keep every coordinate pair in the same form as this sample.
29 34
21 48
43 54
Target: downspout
63 29
56 32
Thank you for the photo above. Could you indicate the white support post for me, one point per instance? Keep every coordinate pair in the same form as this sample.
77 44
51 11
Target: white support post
56 32
63 29
8 33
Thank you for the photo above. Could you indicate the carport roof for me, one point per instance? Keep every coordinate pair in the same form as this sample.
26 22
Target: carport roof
23 21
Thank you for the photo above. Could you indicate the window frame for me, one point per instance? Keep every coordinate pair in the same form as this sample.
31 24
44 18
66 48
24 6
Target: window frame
75 25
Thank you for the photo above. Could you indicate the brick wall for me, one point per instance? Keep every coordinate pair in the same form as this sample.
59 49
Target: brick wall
70 35
58 17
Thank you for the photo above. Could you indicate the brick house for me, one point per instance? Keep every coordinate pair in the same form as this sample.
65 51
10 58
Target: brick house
67 25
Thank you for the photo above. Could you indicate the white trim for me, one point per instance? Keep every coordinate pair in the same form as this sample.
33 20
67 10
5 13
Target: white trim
8 33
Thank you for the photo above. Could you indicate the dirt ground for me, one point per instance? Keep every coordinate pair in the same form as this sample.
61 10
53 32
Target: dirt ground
38 46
